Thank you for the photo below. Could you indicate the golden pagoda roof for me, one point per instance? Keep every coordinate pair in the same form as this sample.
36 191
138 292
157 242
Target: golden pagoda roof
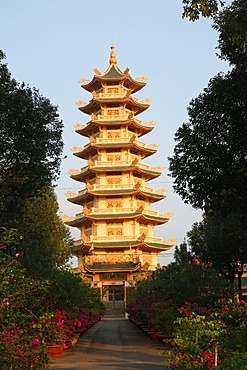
142 244
145 150
151 173
95 103
113 72
78 198
138 214
112 267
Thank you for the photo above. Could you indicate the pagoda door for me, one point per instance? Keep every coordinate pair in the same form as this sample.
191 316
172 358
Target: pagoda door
116 293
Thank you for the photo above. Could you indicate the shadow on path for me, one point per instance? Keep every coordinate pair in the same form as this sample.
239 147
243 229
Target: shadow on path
113 344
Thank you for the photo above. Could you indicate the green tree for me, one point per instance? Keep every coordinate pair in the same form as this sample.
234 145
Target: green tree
67 291
222 241
46 242
209 164
182 254
209 158
30 144
192 9
192 282
20 294
231 23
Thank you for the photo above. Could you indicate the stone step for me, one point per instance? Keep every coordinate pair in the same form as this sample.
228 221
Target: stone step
114 309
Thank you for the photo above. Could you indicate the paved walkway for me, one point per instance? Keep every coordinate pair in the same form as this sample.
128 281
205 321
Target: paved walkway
113 344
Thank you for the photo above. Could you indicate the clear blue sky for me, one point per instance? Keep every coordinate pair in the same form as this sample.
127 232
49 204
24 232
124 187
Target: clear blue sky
52 44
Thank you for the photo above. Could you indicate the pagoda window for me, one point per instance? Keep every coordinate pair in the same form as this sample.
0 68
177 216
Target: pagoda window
113 105
114 228
113 128
113 112
113 90
114 201
111 83
113 151
117 173
116 180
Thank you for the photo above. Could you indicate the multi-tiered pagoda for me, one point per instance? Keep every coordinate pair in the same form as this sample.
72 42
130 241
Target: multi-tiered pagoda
117 242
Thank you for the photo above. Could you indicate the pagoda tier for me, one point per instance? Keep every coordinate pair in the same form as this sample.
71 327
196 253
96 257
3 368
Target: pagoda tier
130 144
93 127
139 170
94 190
116 223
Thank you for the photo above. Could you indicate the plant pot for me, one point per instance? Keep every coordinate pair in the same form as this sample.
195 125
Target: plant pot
55 350
154 334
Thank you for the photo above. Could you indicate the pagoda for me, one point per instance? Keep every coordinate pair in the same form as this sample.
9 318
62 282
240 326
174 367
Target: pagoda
117 244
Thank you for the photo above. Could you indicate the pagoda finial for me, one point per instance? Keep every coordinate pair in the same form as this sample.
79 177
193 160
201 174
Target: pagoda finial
113 59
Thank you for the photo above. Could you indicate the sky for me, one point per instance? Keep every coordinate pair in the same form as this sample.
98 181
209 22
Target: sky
52 44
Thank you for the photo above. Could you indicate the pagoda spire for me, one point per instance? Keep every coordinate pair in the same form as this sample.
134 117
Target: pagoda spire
113 59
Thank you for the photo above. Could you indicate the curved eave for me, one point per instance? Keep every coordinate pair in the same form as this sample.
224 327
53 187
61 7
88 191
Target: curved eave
79 198
78 221
95 104
144 129
145 151
160 246
111 267
86 131
154 196
81 176
81 249
113 73
158 220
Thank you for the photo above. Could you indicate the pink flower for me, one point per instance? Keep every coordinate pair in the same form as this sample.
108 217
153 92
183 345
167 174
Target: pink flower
35 342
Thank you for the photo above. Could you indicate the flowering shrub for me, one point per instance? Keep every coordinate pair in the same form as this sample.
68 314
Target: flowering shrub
196 344
233 313
20 350
51 327
205 340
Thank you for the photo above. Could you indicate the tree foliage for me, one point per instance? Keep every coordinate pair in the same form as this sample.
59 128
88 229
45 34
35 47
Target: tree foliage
182 254
46 242
210 152
186 282
30 143
192 9
231 24
222 241
209 163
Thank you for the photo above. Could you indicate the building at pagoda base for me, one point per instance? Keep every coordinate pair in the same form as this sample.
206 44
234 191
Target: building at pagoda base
117 245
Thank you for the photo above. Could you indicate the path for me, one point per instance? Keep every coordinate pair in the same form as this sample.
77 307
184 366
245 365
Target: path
113 344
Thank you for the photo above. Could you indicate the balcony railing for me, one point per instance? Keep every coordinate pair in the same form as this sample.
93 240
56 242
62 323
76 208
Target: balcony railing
117 238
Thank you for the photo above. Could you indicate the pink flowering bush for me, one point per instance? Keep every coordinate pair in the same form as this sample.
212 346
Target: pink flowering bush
51 327
207 340
196 344
21 350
